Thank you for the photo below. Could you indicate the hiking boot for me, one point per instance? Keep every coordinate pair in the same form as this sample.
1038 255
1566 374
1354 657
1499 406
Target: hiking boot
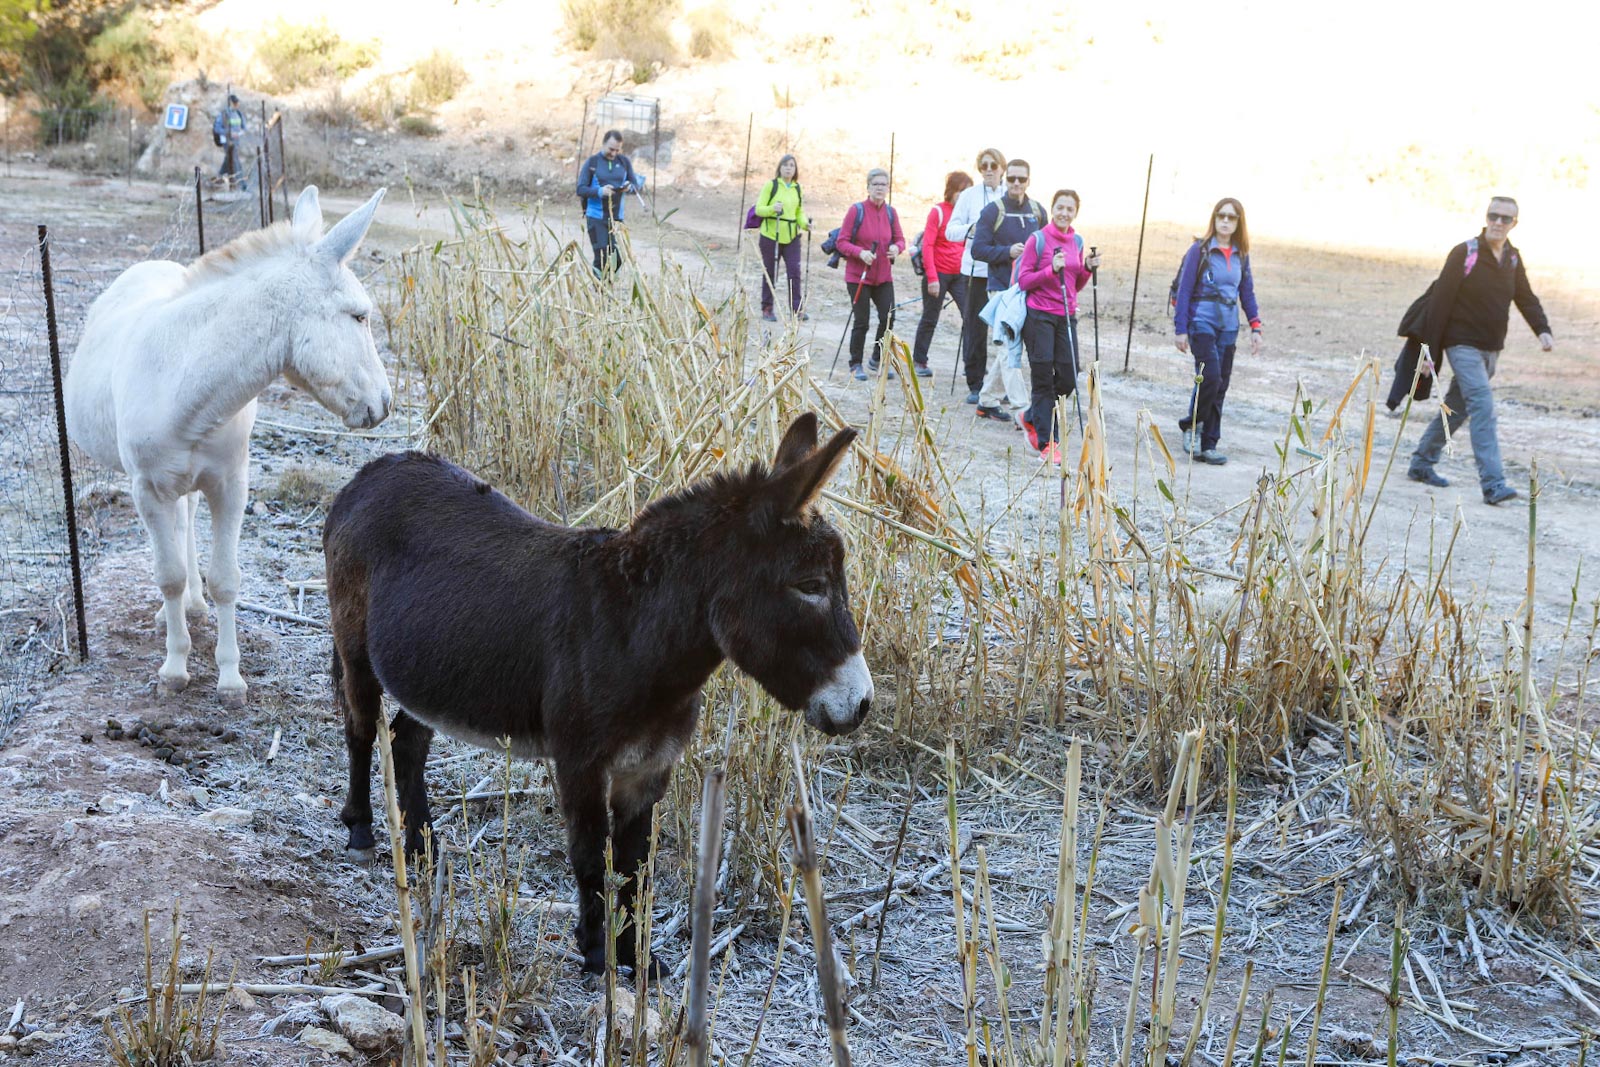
1500 495
1051 453
768 316
1211 456
873 367
1427 476
1026 426
996 413
924 371
1188 441
861 375
972 397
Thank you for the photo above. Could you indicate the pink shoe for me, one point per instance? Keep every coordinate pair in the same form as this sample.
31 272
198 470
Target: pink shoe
1027 428
1051 453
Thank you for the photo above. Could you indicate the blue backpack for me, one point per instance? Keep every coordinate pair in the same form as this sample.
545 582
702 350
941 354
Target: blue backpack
830 244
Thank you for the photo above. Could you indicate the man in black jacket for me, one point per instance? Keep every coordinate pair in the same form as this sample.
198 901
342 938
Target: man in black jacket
1467 317
998 238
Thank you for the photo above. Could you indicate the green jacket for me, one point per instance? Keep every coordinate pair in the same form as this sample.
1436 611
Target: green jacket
781 210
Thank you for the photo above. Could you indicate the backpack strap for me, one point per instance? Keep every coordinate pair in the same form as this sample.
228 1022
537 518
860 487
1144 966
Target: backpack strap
1472 255
855 228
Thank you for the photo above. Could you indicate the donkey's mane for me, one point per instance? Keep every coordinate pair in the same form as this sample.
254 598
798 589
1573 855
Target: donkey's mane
724 485
241 253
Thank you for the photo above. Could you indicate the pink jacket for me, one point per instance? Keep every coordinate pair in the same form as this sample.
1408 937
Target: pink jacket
1042 284
940 255
875 226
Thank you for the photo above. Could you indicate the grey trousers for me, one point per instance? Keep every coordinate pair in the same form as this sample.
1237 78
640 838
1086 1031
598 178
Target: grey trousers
1469 400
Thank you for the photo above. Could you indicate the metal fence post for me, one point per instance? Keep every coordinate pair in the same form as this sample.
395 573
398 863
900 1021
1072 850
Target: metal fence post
199 212
61 434
261 197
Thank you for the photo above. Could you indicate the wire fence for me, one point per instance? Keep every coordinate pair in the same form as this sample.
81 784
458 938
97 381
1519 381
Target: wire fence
38 633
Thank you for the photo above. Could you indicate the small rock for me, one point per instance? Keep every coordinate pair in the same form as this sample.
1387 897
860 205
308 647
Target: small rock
165 753
327 1041
624 1007
294 1019
86 904
216 731
229 736
87 739
369 1027
114 735
232 818
200 795
7 1042
360 142
240 999
37 1040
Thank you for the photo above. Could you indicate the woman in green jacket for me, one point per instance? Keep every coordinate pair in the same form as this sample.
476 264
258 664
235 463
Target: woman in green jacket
782 212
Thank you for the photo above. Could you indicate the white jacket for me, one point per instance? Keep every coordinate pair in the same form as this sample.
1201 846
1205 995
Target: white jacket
969 205
1005 313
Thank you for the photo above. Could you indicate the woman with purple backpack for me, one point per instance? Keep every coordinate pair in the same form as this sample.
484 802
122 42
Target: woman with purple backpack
869 240
1052 269
781 209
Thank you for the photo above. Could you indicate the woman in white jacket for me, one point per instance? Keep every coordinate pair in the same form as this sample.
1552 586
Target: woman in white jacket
969 205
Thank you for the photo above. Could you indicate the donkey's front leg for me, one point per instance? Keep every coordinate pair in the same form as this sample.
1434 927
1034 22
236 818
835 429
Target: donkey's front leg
162 521
194 597
226 498
632 803
583 804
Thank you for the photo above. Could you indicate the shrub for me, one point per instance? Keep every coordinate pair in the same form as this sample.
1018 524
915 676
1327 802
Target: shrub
131 54
307 54
639 31
332 110
708 33
436 79
382 103
420 126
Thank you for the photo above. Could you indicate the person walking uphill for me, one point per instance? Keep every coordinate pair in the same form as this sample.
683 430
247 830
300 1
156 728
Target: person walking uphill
1468 311
869 239
604 182
998 239
1213 284
227 130
963 217
941 267
1052 270
781 209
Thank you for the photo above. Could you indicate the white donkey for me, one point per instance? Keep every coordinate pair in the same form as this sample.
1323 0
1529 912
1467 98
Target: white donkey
164 384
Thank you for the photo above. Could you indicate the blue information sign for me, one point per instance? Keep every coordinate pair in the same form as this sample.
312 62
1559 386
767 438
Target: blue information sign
176 117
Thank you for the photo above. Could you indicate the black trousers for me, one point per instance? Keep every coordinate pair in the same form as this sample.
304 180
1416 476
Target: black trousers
1052 345
975 333
931 307
604 245
880 296
771 251
1213 370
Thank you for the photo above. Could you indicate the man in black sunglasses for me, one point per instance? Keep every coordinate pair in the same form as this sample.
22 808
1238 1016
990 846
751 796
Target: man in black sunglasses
1468 312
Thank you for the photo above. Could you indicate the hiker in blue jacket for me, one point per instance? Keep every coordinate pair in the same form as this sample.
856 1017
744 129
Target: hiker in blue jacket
1213 284
604 182
998 238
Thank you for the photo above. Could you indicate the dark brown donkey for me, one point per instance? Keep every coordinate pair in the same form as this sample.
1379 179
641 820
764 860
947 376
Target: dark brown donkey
588 646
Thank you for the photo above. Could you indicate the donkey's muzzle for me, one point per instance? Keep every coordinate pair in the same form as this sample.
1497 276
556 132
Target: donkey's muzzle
841 703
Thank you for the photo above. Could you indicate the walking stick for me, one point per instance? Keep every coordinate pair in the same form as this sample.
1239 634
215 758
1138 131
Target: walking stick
1094 292
744 184
855 299
805 297
1138 261
1072 336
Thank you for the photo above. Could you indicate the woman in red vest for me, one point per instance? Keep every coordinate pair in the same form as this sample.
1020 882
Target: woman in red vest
941 264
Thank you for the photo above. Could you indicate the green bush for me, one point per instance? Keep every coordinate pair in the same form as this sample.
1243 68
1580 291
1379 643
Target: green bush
436 78
309 54
708 33
639 31
382 102
129 52
420 126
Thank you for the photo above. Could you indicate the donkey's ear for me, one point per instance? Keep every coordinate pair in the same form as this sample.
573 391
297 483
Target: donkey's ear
346 235
799 441
796 487
307 216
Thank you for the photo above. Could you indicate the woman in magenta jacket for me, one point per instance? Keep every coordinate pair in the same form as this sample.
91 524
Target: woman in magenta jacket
941 267
870 245
1052 269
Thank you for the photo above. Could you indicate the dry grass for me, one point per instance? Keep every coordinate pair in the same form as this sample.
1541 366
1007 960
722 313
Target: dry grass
992 624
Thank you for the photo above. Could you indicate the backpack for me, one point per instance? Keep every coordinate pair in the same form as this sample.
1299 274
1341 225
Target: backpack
916 244
1415 319
1038 213
1205 276
830 244
219 129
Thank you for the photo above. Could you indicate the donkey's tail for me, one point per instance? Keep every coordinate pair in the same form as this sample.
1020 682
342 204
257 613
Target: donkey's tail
336 676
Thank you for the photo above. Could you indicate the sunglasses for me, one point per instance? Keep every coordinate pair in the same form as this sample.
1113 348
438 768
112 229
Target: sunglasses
1015 180
1227 216
989 167
1507 219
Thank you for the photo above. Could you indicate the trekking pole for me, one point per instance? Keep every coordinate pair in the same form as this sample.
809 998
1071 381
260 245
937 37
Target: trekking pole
805 297
1138 261
855 300
744 184
1072 338
1094 293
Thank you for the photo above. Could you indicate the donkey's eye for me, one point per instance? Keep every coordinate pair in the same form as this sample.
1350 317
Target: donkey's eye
361 318
811 587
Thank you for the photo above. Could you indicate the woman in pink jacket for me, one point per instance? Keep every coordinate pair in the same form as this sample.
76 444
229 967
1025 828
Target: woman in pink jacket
1052 270
869 239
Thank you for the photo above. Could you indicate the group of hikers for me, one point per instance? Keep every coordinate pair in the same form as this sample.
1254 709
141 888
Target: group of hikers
1013 268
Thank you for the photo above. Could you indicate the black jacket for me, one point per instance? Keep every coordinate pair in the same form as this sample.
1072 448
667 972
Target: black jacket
1473 309
993 245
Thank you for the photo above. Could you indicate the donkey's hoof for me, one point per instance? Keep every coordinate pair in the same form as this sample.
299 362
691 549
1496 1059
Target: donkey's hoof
232 696
174 681
361 840
594 961
360 855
